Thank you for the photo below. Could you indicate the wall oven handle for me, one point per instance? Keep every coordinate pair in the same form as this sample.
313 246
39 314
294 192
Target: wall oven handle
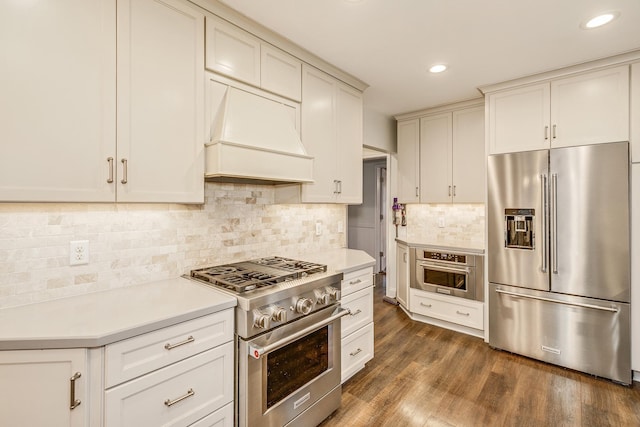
461 270
575 304
257 351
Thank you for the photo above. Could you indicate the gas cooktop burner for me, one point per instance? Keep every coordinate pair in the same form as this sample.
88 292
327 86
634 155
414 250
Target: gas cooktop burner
249 275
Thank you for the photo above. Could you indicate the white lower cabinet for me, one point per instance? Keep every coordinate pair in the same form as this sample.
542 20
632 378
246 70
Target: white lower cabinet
180 375
223 417
177 395
44 388
357 328
174 376
450 309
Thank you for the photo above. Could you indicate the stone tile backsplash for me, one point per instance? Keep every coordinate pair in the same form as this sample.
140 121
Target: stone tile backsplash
462 223
136 243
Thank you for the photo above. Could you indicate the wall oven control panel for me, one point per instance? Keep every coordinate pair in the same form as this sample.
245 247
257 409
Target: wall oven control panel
443 256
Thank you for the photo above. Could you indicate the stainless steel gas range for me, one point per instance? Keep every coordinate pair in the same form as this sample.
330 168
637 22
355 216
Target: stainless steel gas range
288 337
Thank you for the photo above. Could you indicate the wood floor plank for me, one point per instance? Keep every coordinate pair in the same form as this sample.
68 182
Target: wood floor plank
424 375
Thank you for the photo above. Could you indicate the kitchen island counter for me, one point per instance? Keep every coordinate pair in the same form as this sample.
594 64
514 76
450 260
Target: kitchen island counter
101 318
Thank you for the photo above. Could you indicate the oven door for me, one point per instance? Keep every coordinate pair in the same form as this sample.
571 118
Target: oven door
283 373
443 279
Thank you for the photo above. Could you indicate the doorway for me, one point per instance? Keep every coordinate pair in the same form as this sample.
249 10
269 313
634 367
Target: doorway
367 223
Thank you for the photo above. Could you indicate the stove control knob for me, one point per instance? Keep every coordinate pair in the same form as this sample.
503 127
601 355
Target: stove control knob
333 293
262 321
324 299
304 305
279 315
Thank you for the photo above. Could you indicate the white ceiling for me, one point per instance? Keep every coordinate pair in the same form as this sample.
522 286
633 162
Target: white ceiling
390 44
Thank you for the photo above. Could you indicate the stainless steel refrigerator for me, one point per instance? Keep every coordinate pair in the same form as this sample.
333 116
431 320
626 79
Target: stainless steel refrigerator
559 257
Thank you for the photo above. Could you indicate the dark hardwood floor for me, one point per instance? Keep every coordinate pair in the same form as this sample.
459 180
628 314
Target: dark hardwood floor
423 375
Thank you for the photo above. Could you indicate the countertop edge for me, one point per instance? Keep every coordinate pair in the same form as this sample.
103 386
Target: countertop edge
441 246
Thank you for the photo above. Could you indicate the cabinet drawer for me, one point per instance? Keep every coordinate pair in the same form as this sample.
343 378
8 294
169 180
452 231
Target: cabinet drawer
223 417
356 280
357 349
451 309
361 305
177 395
139 355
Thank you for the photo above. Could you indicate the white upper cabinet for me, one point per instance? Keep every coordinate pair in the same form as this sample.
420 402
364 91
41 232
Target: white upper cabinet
280 72
588 108
332 127
519 119
409 161
161 131
60 142
468 158
441 155
435 159
232 51
238 54
58 100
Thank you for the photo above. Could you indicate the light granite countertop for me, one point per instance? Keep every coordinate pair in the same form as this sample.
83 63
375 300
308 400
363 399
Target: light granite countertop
341 260
448 245
100 318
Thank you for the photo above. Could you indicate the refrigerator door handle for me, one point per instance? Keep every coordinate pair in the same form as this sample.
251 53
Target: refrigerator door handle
545 220
554 223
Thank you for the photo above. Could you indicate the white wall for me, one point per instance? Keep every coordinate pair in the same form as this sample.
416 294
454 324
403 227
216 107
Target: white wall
137 243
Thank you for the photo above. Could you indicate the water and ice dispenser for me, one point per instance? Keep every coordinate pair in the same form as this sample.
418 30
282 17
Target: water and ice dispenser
518 228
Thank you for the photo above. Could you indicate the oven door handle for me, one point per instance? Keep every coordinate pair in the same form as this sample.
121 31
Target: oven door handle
465 270
257 351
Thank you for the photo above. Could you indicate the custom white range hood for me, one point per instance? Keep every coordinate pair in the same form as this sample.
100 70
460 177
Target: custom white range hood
254 139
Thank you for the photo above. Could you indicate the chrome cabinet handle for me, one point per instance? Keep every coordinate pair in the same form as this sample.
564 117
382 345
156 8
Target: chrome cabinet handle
339 187
425 305
189 339
545 197
73 403
454 191
355 313
355 282
574 304
462 313
124 171
355 353
335 186
449 191
546 133
110 162
417 192
170 402
554 132
404 257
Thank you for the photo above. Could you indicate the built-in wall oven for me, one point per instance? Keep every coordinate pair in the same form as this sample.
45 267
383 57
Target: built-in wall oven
450 273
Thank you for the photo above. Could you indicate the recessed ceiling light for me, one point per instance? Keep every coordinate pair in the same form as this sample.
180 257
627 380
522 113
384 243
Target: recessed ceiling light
600 20
438 68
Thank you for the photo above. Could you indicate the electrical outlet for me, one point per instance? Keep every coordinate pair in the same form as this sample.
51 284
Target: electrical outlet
318 228
441 222
78 252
